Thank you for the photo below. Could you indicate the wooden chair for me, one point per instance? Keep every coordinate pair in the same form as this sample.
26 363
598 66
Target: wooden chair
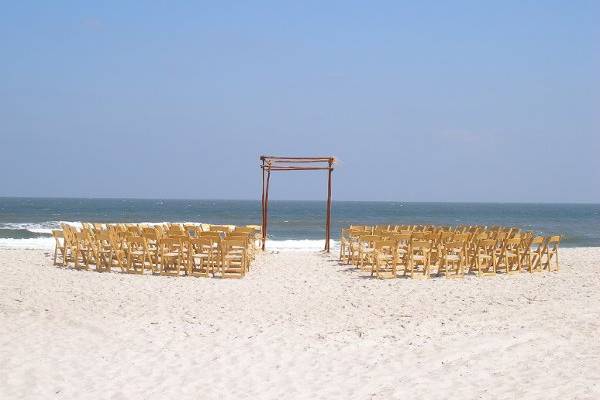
403 247
134 230
119 248
452 259
200 257
171 256
138 259
485 257
103 251
344 246
190 230
552 252
444 237
59 246
198 230
152 236
535 253
83 251
419 259
233 258
70 244
353 235
220 228
256 234
385 258
88 242
524 249
509 256
500 237
421 235
175 230
216 235
364 251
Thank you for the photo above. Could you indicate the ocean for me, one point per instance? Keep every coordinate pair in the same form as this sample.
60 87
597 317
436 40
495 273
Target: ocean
27 222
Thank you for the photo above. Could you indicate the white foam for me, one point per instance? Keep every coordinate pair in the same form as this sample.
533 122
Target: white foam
299 245
37 228
44 243
42 227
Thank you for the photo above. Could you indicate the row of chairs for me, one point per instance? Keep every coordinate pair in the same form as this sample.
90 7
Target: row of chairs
165 249
422 251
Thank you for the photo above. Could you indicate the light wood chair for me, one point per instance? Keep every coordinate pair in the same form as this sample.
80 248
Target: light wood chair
385 258
118 241
138 259
452 259
344 246
485 257
152 236
171 256
419 259
233 258
83 251
59 246
552 252
70 244
403 247
190 230
103 251
535 253
134 230
220 228
175 230
364 251
509 256
200 257
249 239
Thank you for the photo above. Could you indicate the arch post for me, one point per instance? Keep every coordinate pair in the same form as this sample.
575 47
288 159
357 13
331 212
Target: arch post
273 163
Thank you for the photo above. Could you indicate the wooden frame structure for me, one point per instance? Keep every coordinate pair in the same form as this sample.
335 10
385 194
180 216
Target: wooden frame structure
272 163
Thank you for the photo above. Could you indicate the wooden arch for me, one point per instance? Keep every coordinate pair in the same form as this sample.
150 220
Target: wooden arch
272 163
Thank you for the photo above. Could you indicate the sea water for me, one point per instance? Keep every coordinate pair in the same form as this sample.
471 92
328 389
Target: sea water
27 222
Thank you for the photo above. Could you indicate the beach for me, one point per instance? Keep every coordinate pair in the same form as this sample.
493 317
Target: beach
298 326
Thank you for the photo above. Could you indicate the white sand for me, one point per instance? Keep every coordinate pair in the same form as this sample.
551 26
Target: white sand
298 326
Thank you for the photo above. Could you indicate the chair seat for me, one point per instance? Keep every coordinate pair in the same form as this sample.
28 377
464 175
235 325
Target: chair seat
235 251
452 257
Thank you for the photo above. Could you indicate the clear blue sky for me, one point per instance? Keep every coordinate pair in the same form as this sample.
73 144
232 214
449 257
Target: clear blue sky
440 101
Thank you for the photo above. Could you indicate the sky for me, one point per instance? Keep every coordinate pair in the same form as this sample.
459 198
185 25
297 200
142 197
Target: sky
419 101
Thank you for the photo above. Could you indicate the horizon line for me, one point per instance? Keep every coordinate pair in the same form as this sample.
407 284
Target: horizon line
293 200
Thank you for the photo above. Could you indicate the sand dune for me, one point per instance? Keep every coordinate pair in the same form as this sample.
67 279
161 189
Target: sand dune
298 326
